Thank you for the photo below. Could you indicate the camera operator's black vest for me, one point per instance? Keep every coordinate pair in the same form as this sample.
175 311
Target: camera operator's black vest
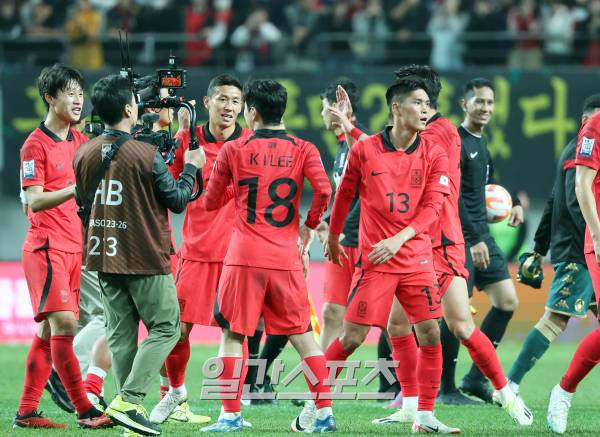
128 231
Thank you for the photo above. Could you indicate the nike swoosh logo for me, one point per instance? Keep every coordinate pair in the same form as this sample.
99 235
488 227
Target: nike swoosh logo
473 155
431 428
375 173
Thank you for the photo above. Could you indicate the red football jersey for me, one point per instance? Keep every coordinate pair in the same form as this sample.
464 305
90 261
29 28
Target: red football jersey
268 171
206 234
588 154
397 189
447 230
47 161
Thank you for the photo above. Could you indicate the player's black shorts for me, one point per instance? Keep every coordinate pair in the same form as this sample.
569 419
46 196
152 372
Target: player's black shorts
496 271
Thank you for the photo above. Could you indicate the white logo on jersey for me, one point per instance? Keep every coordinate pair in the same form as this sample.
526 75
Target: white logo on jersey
444 180
29 169
473 155
587 146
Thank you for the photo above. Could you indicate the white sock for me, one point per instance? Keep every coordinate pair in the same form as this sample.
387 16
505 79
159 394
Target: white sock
164 381
514 387
506 394
230 416
410 403
563 392
424 416
180 392
324 412
96 371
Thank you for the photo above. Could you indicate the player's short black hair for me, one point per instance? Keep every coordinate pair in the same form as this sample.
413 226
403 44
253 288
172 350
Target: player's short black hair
329 93
109 97
57 78
223 80
268 97
591 103
428 74
478 82
401 87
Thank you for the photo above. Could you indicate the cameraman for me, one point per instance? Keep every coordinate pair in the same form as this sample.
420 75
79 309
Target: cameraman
127 241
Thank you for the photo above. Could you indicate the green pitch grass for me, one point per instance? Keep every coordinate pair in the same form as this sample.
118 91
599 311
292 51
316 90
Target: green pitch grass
353 417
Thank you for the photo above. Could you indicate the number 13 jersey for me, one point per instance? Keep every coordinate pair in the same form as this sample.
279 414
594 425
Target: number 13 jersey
397 188
267 171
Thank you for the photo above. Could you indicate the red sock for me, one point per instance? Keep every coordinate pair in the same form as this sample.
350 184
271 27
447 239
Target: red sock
177 361
586 357
429 374
336 352
229 375
245 356
37 371
484 356
93 384
404 350
163 390
317 366
68 370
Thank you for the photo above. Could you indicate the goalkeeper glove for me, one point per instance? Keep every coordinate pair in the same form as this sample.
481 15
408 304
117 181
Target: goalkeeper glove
530 269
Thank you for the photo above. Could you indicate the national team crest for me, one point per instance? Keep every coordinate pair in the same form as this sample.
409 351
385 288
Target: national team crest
416 177
587 146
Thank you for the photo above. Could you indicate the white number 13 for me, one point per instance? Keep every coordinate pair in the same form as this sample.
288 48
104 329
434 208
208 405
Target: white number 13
111 250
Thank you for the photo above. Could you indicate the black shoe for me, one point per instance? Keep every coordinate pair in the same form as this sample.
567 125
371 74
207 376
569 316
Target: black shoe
267 395
390 393
58 393
480 388
455 397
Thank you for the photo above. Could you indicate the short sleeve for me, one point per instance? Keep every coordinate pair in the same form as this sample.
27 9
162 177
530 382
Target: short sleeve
438 179
33 164
588 152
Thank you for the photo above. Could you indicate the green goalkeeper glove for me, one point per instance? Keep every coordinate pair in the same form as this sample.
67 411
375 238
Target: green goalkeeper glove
530 269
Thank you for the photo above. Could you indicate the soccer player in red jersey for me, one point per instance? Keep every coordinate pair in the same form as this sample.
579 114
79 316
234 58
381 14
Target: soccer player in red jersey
402 181
52 249
206 234
203 249
587 189
448 260
263 273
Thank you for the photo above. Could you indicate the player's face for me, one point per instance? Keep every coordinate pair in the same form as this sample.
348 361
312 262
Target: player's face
413 111
68 103
480 106
224 105
166 114
326 114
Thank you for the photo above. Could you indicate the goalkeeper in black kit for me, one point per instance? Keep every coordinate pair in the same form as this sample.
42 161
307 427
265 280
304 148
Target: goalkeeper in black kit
561 230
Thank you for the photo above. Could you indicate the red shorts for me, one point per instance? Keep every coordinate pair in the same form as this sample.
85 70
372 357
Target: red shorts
196 283
53 278
245 293
448 262
339 279
594 269
373 292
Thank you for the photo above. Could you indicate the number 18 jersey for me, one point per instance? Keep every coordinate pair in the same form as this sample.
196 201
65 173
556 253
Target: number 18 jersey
267 171
396 190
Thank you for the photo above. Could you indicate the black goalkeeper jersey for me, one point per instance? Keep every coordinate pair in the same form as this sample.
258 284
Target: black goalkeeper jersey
477 171
353 219
562 225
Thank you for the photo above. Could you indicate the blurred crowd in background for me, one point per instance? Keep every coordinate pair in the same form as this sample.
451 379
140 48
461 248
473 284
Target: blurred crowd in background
303 34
